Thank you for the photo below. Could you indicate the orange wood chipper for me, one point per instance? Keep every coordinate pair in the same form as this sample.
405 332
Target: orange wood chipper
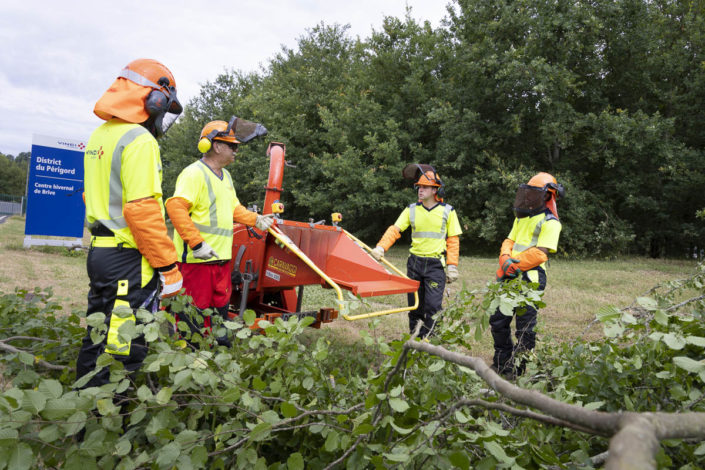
270 269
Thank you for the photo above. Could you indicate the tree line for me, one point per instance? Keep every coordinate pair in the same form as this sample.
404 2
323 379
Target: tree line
606 95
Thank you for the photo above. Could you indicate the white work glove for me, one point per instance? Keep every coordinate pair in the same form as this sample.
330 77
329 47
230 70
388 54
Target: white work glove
172 281
205 251
451 273
377 253
264 222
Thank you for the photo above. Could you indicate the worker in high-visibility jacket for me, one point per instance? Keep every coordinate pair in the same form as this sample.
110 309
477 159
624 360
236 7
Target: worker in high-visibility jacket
435 244
202 209
524 253
131 261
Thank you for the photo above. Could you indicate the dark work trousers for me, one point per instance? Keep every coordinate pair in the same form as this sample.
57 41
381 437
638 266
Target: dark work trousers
108 267
504 349
432 282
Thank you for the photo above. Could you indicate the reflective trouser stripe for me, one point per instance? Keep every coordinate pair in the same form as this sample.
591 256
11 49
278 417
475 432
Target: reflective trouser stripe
122 313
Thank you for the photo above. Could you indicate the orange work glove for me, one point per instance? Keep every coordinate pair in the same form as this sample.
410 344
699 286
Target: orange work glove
177 208
390 236
243 216
171 281
452 250
145 220
506 251
530 258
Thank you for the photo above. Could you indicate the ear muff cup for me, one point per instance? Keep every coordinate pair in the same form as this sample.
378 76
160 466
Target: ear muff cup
206 143
156 103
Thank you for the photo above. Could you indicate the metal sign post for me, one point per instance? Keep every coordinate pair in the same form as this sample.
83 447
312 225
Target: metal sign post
55 205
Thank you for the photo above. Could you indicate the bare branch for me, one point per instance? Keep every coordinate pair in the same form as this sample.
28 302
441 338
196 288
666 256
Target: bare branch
41 362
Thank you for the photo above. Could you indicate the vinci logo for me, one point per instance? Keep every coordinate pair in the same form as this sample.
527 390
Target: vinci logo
72 145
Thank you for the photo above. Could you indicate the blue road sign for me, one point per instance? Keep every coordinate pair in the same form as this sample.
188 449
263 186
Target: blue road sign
55 187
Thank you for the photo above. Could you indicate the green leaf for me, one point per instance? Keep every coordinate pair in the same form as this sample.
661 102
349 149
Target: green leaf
363 428
594 405
396 457
460 460
398 405
75 423
689 364
674 341
661 317
95 319
332 441
123 447
144 393
270 416
50 433
249 317
37 399
26 358
436 366
8 437
164 395
58 408
700 450
258 384
289 410
295 462
167 455
308 383
608 313
51 388
695 341
497 452
21 457
647 303
260 432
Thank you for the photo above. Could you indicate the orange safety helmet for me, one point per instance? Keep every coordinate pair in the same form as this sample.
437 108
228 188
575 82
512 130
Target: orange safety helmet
429 179
217 130
554 191
144 88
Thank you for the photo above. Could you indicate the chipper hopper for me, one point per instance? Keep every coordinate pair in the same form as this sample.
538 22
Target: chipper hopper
270 269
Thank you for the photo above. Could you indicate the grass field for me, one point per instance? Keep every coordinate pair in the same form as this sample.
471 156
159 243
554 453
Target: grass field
576 288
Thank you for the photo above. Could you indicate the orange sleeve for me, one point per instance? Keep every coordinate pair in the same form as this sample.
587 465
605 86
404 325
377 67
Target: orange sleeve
177 208
452 250
390 236
507 246
531 258
145 220
243 216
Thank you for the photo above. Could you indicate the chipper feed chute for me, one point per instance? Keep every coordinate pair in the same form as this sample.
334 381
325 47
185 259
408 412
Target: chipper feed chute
270 269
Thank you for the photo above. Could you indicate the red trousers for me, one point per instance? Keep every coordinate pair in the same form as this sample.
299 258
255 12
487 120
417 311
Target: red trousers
208 284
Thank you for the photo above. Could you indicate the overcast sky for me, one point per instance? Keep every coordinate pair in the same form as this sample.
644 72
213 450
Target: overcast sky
58 57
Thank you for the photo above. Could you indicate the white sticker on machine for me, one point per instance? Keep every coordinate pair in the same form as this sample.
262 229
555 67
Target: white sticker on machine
272 275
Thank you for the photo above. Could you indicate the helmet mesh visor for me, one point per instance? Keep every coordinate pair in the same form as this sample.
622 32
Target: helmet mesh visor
529 201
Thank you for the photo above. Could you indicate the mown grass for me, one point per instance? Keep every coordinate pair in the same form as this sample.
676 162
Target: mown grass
576 288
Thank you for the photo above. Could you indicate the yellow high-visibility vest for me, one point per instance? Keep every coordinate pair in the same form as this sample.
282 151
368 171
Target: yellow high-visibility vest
429 228
213 200
121 164
541 230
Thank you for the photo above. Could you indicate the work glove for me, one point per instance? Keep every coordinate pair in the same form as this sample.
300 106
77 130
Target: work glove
204 251
509 270
377 253
503 259
171 281
264 222
451 273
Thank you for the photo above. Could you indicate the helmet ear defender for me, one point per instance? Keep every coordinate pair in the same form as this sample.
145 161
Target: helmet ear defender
206 142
